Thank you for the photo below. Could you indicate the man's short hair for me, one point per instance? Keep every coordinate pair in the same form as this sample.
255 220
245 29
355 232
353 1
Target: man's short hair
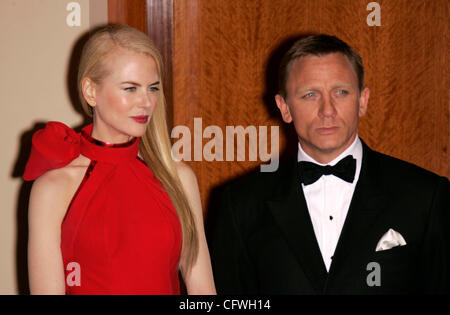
318 45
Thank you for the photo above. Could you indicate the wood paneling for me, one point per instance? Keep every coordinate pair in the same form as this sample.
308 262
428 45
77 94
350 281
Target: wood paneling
129 12
221 59
159 29
224 65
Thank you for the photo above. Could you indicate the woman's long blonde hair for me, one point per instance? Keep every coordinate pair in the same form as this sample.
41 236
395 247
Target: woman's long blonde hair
155 146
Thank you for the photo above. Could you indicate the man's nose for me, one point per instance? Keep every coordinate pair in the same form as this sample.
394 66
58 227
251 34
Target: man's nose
327 107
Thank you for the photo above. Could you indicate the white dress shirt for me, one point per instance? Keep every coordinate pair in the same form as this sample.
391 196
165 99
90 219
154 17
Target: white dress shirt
328 200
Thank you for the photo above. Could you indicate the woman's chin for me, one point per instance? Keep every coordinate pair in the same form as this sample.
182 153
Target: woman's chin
137 131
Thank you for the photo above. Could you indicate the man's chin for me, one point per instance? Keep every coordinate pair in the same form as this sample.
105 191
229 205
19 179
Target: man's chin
327 149
329 145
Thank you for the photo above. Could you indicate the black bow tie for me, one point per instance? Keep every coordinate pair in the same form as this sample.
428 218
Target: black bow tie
311 172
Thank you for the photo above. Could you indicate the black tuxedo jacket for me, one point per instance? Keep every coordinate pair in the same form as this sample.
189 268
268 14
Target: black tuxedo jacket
262 240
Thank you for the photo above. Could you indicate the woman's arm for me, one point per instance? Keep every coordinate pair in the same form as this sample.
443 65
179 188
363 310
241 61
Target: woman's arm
199 279
48 204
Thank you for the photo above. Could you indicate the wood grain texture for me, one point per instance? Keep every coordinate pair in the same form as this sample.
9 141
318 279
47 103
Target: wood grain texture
160 30
224 62
128 12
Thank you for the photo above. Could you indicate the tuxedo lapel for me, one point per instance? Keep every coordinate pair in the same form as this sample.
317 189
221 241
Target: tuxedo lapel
367 204
291 214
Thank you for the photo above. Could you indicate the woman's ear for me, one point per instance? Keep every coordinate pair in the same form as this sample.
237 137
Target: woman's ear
88 88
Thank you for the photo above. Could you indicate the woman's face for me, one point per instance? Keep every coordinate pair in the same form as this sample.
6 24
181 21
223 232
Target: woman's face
125 99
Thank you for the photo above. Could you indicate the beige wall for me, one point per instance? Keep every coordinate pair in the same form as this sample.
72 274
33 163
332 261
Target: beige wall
36 45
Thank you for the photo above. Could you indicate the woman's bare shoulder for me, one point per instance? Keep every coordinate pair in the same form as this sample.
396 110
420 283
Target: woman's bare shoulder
185 172
55 188
65 176
190 186
187 178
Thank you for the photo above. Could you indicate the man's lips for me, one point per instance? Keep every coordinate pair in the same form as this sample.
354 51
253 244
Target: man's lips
142 119
327 130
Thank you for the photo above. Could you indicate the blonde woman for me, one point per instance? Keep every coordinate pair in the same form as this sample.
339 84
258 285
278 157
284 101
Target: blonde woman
110 212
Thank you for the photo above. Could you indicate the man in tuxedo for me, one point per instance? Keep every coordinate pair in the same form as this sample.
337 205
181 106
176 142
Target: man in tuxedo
337 218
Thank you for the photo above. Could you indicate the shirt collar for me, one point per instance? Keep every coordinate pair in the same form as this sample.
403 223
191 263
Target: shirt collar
355 149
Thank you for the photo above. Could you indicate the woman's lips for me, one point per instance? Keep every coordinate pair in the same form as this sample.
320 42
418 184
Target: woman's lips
141 119
327 130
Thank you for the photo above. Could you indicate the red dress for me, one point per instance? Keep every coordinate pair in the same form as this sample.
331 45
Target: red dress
120 229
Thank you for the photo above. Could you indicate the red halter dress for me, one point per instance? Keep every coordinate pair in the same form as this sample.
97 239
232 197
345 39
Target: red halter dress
121 234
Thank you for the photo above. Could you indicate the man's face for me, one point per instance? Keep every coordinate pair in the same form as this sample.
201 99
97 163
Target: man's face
324 102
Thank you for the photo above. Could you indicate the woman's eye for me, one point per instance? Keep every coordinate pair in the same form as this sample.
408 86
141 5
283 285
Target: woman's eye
130 89
153 88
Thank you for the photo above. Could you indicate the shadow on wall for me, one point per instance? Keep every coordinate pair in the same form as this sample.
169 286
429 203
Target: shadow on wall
271 89
287 130
22 158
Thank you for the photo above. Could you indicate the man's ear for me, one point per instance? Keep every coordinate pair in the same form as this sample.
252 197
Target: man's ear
364 101
88 88
284 108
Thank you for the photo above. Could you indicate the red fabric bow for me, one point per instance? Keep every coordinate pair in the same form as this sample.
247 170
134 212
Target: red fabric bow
53 147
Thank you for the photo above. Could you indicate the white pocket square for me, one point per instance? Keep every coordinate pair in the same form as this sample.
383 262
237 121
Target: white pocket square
389 240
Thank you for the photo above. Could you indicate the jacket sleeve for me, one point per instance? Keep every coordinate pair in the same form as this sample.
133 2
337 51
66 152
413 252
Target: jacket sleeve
232 268
435 258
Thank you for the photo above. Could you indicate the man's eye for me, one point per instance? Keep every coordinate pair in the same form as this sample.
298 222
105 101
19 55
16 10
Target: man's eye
309 95
342 92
